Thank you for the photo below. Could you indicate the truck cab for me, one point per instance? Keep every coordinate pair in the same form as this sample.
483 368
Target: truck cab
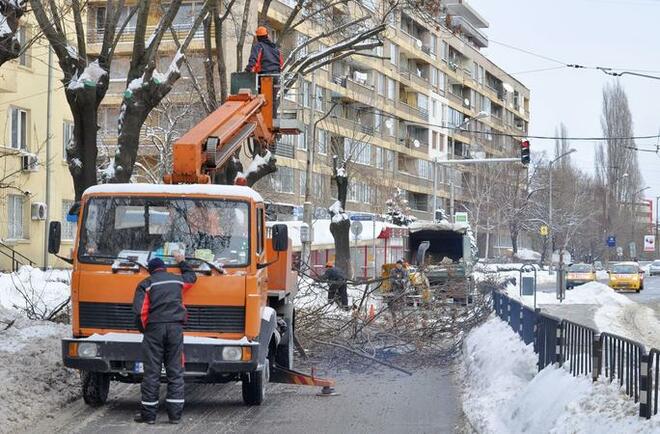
240 310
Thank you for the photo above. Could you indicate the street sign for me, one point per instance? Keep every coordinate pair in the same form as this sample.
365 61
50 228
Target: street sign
460 217
632 247
543 230
649 243
361 217
356 228
619 251
611 241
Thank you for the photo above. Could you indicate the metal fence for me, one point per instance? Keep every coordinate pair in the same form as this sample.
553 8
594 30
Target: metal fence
584 351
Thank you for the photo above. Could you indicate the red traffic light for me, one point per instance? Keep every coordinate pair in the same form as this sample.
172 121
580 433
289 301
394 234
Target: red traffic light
524 152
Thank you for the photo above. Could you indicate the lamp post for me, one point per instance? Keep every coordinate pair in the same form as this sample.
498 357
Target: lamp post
657 200
550 231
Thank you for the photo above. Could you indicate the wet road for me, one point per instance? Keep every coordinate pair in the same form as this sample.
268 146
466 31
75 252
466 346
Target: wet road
383 401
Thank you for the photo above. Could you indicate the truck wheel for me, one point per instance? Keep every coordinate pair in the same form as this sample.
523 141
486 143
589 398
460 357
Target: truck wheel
254 385
95 387
284 351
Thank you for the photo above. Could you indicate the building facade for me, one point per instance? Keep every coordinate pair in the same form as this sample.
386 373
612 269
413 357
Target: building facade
34 178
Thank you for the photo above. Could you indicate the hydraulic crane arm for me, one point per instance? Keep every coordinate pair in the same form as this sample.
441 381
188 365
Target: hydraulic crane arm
209 144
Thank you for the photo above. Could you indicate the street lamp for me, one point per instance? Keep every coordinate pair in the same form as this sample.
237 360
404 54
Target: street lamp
550 232
657 200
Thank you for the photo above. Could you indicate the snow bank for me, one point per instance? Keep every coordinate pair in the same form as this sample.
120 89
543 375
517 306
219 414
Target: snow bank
45 289
528 255
32 379
506 395
589 293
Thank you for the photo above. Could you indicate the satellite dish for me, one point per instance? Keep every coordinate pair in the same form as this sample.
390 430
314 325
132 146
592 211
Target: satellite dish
389 123
466 101
416 143
419 43
508 87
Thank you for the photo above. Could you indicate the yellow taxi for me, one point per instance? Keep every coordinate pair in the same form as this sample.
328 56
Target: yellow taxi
579 274
626 275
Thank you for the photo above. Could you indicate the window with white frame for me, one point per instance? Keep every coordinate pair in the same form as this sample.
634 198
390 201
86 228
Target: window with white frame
444 50
424 169
379 158
19 128
302 139
15 217
380 83
389 160
68 228
282 180
360 192
303 182
67 136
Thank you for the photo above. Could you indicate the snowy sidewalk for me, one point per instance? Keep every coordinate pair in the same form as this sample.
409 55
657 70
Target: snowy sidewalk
505 394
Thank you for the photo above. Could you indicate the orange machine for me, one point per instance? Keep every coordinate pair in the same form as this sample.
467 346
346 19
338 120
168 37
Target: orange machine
240 311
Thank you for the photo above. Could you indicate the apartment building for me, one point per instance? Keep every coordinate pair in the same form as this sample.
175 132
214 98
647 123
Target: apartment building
396 114
35 183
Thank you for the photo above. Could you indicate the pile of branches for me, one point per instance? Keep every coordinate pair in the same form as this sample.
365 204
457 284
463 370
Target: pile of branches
396 330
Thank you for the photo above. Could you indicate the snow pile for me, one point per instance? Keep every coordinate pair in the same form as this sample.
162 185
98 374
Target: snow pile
528 255
34 291
90 76
506 395
33 381
337 212
594 293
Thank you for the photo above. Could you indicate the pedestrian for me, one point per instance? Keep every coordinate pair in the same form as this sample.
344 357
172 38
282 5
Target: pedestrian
266 58
160 315
336 285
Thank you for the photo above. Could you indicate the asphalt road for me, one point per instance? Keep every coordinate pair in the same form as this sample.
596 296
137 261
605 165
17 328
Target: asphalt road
381 401
649 295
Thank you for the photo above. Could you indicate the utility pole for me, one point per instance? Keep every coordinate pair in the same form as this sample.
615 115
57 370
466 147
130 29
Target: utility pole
657 199
307 207
551 232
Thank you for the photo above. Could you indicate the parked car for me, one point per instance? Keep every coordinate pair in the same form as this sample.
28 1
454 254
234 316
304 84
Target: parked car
626 275
654 268
598 265
579 274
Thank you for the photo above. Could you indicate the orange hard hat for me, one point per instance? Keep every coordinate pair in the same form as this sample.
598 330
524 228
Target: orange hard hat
329 264
262 31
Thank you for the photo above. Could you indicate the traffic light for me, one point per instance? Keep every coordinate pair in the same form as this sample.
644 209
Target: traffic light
524 152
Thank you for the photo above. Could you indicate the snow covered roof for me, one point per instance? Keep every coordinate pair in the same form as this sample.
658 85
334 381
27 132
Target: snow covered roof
443 225
177 189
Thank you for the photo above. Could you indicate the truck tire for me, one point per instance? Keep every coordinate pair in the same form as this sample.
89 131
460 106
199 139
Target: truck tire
254 385
284 351
95 387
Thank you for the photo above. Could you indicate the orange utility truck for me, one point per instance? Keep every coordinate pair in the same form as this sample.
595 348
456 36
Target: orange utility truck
241 316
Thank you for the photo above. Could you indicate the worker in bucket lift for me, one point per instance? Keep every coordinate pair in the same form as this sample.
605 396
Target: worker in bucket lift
160 315
266 58
336 285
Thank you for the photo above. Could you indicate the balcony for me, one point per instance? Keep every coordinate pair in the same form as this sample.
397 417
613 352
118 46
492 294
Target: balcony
95 35
473 34
413 111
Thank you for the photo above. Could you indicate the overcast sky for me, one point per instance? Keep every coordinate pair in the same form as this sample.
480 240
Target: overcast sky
613 33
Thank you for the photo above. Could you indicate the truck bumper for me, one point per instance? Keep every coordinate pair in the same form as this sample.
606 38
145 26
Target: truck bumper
120 354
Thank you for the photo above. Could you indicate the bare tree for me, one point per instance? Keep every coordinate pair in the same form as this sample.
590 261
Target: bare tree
11 12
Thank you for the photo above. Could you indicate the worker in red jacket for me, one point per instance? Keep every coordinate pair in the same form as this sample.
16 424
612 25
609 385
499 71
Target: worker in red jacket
266 58
160 315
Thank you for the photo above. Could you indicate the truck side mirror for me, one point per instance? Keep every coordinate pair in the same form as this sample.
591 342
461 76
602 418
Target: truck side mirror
280 239
421 252
54 237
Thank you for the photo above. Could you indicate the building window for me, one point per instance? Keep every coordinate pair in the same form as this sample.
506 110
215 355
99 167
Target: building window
18 128
15 217
282 180
303 182
22 36
424 169
379 158
67 137
391 89
302 139
394 54
358 152
322 142
380 83
306 94
360 192
318 100
68 228
444 51
388 159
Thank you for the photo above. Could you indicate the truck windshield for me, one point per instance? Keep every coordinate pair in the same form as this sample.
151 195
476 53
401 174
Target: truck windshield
143 228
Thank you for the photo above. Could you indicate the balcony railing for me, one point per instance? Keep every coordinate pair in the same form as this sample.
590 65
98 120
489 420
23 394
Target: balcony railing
96 34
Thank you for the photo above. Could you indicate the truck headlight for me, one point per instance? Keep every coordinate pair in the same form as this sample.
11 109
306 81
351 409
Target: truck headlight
87 349
232 353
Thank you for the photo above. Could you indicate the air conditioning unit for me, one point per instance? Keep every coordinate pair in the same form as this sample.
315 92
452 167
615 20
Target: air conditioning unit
39 211
29 163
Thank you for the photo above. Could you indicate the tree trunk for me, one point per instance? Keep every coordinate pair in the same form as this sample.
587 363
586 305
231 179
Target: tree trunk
132 116
514 238
81 155
241 36
10 48
220 57
340 232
